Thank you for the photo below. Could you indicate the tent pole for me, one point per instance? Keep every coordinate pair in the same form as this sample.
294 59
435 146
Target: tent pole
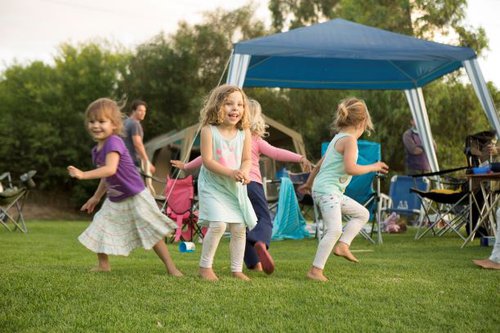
238 69
419 112
482 93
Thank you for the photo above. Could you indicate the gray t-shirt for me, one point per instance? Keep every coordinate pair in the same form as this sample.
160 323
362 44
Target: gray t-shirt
132 127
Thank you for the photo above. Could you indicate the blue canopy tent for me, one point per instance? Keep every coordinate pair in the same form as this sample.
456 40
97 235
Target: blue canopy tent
340 54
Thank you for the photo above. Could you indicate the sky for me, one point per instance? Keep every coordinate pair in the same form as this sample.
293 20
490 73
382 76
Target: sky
33 29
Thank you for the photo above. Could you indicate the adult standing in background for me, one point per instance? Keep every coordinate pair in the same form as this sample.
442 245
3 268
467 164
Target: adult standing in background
134 135
416 159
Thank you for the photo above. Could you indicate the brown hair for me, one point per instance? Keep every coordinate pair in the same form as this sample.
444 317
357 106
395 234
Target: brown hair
105 108
211 113
352 112
136 103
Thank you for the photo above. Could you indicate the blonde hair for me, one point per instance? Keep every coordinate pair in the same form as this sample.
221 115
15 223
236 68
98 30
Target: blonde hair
105 108
212 113
258 125
352 112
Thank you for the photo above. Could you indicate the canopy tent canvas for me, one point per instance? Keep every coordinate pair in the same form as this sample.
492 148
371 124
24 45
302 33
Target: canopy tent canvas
340 54
186 143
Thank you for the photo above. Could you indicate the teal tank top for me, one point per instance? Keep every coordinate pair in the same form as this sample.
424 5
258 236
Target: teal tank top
221 198
332 177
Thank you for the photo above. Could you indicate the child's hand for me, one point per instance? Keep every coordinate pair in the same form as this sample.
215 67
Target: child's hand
90 205
306 164
75 172
381 167
239 176
304 188
177 164
246 178
492 149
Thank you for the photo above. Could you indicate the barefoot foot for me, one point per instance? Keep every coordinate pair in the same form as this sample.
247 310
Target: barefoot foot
316 274
241 276
175 272
208 274
486 263
342 250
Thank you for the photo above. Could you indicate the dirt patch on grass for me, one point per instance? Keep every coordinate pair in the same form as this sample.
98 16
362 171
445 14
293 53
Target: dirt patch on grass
51 206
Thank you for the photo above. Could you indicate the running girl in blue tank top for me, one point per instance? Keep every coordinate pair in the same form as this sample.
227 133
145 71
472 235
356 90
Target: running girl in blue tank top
329 180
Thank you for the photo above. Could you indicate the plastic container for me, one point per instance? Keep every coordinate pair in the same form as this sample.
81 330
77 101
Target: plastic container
185 247
487 240
483 169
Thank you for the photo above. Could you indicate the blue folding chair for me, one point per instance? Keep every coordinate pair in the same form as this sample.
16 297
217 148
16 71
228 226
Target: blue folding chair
365 189
404 200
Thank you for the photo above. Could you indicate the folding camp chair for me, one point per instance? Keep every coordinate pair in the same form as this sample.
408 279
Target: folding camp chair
272 189
12 200
404 201
180 206
446 206
288 222
305 200
365 189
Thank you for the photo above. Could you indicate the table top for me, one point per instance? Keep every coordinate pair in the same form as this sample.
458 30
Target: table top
485 176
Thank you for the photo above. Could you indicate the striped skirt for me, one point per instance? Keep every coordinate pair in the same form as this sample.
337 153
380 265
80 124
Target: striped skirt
120 227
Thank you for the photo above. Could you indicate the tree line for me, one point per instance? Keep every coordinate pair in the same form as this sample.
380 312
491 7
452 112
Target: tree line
42 105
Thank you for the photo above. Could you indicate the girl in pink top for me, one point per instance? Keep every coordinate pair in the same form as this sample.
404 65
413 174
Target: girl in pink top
257 256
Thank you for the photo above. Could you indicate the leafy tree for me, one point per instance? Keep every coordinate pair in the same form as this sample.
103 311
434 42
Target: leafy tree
174 73
42 111
84 73
27 95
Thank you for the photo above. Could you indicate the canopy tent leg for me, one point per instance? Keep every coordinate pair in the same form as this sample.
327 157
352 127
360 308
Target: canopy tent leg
477 80
238 69
419 112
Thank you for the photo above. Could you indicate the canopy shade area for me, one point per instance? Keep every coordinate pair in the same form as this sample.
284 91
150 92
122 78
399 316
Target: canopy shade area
340 54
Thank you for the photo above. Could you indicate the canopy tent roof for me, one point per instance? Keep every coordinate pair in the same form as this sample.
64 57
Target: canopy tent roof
340 54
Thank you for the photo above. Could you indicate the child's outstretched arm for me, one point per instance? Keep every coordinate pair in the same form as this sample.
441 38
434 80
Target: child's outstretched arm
209 162
109 169
283 155
194 164
348 146
307 186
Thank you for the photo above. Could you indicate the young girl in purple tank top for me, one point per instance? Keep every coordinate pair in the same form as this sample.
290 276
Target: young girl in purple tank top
129 217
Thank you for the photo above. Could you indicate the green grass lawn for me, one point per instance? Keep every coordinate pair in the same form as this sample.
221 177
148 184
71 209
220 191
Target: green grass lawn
404 285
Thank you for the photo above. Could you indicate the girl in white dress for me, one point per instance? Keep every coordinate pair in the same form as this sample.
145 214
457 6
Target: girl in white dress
226 155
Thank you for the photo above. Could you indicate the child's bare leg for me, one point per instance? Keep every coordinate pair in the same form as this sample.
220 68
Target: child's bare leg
210 243
341 249
237 250
103 263
162 252
316 273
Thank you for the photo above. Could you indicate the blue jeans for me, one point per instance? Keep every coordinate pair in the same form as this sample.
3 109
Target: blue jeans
264 228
